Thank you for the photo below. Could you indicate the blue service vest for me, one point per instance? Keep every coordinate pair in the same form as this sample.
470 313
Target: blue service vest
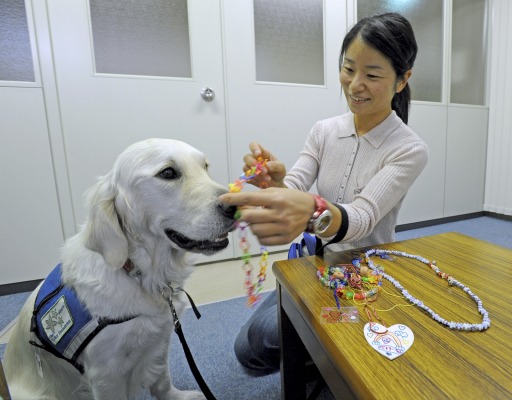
61 322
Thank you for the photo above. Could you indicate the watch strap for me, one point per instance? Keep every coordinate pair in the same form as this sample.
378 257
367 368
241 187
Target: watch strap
320 207
343 227
342 232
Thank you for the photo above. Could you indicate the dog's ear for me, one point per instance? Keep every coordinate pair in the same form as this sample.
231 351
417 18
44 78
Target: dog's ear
103 228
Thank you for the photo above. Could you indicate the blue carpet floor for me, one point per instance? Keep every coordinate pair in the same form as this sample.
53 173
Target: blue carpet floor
495 230
211 337
10 306
211 341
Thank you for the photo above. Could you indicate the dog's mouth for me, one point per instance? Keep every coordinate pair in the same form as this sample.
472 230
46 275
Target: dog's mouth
198 246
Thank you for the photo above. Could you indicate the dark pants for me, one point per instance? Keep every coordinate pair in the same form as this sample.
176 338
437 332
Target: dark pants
257 343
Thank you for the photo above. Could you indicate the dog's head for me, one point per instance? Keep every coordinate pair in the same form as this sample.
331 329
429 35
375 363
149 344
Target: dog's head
158 190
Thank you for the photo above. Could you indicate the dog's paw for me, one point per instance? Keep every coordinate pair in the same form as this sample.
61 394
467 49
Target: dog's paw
187 395
193 395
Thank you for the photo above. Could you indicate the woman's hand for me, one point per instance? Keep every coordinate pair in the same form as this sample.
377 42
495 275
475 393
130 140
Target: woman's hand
272 174
276 216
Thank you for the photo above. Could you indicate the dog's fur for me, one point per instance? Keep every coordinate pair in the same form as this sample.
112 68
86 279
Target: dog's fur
156 207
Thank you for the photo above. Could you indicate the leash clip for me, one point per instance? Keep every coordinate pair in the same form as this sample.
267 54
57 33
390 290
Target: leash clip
176 320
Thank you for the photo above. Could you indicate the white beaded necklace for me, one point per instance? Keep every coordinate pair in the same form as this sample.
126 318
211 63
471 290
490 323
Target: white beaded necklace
460 326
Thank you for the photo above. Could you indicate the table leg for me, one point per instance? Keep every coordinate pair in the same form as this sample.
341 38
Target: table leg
293 357
4 391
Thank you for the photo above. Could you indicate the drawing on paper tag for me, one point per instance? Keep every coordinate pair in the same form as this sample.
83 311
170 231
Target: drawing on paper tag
391 342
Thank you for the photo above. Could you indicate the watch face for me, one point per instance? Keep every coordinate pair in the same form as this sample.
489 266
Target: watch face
323 222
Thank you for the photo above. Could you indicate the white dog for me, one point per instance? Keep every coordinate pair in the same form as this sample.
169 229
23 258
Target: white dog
147 216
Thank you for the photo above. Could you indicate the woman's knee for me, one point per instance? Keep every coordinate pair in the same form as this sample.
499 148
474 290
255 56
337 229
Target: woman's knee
257 343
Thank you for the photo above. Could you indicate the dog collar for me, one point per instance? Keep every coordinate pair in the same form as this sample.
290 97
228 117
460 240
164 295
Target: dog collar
167 291
131 270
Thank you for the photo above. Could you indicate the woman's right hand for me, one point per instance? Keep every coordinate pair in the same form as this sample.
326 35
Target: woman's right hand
272 173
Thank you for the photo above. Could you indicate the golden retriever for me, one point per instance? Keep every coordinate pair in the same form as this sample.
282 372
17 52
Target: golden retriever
147 217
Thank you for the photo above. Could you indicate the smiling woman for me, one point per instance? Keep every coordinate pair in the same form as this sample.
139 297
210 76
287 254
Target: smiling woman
370 84
378 57
363 162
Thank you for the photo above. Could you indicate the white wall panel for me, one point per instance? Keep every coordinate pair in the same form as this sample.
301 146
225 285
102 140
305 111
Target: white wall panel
498 180
465 160
30 229
425 199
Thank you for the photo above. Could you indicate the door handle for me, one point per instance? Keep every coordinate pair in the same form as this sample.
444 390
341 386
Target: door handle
207 94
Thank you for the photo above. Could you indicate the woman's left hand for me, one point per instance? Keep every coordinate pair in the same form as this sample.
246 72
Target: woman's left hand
276 216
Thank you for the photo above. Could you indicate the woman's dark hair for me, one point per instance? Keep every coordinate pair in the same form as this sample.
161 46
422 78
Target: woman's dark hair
392 35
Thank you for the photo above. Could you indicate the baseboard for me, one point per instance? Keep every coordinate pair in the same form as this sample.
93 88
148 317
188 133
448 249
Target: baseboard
439 221
19 287
498 216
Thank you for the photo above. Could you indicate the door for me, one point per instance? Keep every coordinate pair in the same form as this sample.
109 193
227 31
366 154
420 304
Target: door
30 229
130 70
282 68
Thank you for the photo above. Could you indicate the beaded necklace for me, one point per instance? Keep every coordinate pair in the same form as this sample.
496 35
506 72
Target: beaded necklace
460 326
253 289
236 186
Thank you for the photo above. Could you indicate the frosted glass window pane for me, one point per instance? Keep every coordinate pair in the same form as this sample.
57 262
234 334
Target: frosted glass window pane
426 18
141 37
16 62
469 52
289 41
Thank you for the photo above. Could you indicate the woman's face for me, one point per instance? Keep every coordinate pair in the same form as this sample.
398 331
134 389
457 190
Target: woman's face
369 82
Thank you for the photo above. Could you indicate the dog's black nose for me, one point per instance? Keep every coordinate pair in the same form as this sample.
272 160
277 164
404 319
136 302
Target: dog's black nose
228 211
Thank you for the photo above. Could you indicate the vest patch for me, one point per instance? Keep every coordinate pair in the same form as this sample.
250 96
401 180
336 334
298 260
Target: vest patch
57 320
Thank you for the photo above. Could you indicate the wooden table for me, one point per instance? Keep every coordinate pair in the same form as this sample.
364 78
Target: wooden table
442 363
4 391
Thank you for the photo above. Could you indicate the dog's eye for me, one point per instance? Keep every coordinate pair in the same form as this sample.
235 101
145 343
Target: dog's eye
168 173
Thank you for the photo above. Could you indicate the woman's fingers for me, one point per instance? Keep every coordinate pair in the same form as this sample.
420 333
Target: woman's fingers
275 215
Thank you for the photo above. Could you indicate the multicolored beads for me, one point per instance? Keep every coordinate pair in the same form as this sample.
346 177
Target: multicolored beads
347 283
237 186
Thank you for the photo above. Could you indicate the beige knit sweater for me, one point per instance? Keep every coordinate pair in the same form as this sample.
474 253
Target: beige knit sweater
368 175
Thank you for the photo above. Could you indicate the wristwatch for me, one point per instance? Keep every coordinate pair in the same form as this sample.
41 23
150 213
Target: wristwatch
321 218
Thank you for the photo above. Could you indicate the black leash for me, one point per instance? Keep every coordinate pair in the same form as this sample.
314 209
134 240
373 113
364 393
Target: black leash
190 359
